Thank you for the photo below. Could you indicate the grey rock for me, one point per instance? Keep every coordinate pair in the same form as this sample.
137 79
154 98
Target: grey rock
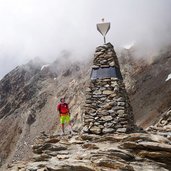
107 79
96 123
107 118
88 90
93 114
113 165
107 106
114 79
107 125
89 146
41 157
107 85
95 66
108 130
95 130
121 103
107 92
86 129
105 66
88 101
121 99
111 111
88 120
112 64
98 53
122 130
96 118
97 92
116 89
113 94
120 112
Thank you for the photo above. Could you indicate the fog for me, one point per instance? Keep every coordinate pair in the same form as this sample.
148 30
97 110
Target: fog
45 28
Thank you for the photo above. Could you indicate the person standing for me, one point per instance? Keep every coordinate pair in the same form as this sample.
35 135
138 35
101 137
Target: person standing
64 113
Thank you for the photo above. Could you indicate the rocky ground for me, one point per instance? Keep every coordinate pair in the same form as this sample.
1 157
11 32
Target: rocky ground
163 126
88 152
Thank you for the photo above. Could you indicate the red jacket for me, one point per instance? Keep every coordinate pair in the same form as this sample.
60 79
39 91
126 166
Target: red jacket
63 108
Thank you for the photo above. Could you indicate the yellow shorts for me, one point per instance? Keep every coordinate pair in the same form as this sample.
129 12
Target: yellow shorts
64 119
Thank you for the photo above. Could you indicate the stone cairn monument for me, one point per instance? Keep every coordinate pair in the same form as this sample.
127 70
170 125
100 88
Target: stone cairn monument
107 108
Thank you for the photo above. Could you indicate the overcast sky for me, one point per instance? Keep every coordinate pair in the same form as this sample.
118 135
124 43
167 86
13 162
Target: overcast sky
31 28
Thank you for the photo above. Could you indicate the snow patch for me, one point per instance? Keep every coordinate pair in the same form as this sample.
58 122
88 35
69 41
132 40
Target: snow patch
44 66
129 46
168 77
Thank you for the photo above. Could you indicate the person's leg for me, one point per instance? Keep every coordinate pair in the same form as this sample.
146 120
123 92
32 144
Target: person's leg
71 131
62 120
63 130
69 123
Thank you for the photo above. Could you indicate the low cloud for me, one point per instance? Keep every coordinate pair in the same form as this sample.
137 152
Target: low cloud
31 28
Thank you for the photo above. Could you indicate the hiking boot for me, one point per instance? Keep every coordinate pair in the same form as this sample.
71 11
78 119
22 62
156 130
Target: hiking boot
71 132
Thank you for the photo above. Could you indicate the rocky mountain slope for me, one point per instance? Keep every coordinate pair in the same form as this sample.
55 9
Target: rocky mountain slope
147 84
29 94
28 104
